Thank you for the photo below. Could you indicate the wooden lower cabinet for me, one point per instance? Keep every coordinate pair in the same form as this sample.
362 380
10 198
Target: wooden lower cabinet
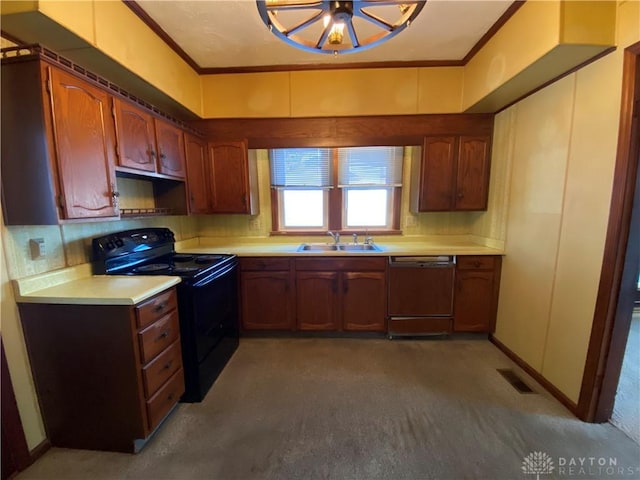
364 297
105 375
267 294
476 293
317 301
341 294
331 294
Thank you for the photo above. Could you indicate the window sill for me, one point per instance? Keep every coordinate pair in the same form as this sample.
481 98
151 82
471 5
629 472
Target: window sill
362 232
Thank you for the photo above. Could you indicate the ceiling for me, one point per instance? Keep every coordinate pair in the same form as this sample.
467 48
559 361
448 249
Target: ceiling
229 35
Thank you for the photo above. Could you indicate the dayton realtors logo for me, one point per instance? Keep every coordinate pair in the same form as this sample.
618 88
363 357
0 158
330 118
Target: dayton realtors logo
537 463
540 463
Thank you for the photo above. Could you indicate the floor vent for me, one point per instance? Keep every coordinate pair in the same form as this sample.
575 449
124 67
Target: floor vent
515 381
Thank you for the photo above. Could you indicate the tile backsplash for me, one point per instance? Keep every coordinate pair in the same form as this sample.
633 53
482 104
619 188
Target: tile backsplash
70 244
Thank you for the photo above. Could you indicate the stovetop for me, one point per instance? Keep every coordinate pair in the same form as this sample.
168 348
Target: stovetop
183 264
150 251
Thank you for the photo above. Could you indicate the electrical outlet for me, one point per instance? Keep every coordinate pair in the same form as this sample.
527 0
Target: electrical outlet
410 221
38 248
255 225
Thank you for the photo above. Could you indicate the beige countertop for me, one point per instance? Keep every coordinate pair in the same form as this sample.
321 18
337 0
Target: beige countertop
284 246
75 285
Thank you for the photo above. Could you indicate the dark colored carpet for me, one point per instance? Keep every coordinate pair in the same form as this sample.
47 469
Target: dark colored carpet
360 409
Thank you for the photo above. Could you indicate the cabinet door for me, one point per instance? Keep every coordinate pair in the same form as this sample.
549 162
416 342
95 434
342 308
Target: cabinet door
364 305
170 143
420 291
316 300
437 174
84 142
474 307
472 184
266 300
135 133
229 177
197 174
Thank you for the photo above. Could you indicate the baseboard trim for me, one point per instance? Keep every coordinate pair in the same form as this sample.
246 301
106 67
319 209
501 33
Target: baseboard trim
548 386
39 450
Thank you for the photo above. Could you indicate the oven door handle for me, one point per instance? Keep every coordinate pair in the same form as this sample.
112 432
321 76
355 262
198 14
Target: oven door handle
217 274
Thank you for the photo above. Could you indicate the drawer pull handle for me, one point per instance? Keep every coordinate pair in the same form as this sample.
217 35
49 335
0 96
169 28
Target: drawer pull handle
160 307
167 365
477 264
163 335
170 397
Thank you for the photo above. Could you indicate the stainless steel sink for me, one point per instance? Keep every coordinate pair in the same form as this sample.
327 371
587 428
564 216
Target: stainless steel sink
312 247
362 247
315 247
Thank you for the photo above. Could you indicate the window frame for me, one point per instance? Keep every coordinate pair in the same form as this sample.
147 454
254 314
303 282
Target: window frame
336 205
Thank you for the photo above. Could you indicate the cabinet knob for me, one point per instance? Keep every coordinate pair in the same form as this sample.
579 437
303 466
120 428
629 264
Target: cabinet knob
460 195
163 156
163 335
151 152
160 307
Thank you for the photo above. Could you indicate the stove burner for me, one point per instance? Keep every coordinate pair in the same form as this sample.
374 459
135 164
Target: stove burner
182 257
185 269
207 258
153 267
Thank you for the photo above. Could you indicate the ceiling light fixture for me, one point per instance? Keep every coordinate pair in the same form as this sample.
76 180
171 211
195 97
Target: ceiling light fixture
337 26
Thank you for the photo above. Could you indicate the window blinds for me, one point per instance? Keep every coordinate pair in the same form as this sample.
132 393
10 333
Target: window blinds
370 166
357 167
300 167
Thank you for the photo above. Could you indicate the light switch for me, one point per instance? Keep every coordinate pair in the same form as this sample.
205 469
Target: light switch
38 248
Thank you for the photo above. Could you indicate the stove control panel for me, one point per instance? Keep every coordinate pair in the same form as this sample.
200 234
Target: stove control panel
131 241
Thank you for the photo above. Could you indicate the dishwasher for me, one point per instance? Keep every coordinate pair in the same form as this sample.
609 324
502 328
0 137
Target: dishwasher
420 295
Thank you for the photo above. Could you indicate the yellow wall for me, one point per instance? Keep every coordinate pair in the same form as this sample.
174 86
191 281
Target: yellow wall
561 143
145 54
18 360
390 91
90 24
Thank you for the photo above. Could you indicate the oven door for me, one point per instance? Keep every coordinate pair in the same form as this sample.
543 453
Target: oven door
209 328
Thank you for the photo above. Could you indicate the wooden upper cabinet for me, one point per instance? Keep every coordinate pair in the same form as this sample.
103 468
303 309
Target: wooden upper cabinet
84 147
232 178
148 143
135 133
170 149
197 173
436 179
472 177
453 174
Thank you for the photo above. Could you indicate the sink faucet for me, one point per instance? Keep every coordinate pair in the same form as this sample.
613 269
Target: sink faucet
355 238
335 236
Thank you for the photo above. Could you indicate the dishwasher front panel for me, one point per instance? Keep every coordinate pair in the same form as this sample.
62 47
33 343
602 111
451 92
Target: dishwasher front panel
420 290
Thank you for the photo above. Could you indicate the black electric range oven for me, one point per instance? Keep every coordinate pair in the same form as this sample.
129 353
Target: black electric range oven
207 297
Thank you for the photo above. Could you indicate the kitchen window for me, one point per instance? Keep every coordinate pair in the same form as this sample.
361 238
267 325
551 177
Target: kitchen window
340 189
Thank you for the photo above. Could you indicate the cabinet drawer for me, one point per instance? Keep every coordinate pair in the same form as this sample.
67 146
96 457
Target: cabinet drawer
160 404
333 264
476 262
158 336
264 263
156 307
417 326
161 368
